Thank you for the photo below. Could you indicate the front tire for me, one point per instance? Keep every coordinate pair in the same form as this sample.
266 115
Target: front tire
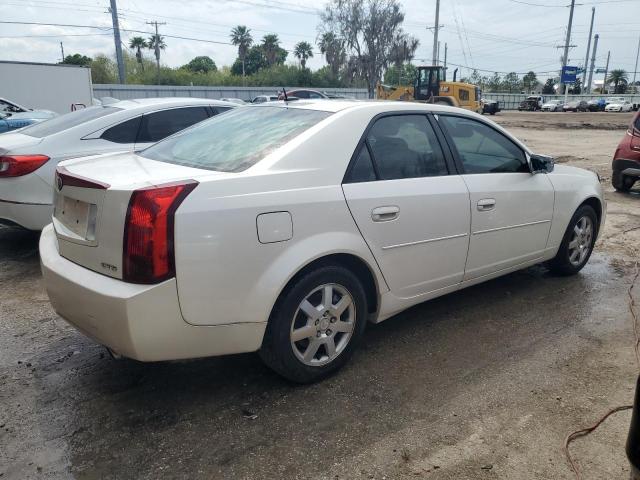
316 325
577 243
620 182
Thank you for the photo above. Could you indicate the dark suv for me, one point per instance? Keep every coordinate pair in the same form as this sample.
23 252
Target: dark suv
626 160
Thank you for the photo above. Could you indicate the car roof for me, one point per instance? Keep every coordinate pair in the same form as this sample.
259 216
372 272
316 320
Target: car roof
165 102
376 106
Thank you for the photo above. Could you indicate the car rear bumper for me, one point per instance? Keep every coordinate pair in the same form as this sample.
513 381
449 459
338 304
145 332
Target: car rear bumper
32 216
142 322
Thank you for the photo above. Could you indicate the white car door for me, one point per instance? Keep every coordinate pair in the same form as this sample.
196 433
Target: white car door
412 212
511 208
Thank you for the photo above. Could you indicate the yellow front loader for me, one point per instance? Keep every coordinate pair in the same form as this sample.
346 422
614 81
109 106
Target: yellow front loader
432 87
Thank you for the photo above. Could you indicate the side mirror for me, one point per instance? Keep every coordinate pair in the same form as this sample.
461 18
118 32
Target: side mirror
541 163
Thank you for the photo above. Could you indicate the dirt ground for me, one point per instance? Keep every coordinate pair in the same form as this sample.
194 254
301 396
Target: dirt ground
481 384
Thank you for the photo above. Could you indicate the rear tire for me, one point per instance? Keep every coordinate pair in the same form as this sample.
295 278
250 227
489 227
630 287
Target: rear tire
315 325
577 243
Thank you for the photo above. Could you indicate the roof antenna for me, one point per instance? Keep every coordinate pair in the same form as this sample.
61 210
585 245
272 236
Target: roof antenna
284 92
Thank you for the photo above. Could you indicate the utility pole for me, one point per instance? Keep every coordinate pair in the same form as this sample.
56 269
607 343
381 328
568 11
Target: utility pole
593 62
606 72
116 38
436 26
586 58
438 61
62 50
567 42
635 69
445 62
157 49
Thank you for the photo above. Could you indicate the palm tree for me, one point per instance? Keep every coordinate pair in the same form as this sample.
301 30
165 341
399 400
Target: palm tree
270 46
303 52
156 43
617 77
241 38
138 43
332 48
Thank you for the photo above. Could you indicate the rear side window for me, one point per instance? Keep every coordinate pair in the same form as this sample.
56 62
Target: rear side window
362 169
125 132
405 146
482 149
236 140
67 121
158 125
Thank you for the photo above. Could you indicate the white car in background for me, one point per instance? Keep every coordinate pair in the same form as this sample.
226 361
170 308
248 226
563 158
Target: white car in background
553 106
619 106
28 157
284 228
265 99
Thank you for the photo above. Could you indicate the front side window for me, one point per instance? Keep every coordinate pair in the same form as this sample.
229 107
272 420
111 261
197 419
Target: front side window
236 140
482 149
405 146
158 125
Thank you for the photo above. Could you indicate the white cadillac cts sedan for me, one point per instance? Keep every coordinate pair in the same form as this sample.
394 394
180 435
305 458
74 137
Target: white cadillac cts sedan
284 228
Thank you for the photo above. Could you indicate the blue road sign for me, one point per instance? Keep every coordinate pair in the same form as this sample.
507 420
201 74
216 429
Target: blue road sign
569 74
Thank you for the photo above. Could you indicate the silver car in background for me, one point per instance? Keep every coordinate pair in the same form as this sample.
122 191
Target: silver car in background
28 157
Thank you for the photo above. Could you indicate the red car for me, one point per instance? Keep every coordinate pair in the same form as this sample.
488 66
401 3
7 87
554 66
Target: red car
626 160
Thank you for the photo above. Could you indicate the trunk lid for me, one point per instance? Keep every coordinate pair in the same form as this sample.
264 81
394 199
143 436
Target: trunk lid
11 141
91 196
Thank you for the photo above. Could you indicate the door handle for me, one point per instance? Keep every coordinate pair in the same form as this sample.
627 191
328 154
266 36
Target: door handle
384 214
486 204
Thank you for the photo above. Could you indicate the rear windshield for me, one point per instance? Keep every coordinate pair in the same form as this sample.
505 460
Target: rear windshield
236 140
68 120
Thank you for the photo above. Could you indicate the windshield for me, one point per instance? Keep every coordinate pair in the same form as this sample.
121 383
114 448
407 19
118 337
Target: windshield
236 140
68 120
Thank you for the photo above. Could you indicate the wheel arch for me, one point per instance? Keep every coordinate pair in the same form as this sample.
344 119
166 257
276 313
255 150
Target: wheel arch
356 264
594 202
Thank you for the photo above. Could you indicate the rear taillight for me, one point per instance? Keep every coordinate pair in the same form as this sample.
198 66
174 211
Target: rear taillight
18 165
148 255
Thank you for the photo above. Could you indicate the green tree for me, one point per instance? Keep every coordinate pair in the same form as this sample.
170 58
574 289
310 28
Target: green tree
405 74
495 83
332 47
77 59
103 70
619 78
138 43
511 82
549 87
370 29
303 52
530 82
241 38
270 47
576 88
201 64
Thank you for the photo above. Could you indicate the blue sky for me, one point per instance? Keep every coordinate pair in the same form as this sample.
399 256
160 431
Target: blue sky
494 35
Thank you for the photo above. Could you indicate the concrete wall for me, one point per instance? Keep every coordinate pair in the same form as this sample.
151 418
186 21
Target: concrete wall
124 92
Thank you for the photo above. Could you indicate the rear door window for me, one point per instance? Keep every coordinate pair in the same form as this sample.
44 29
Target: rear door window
405 146
158 125
125 132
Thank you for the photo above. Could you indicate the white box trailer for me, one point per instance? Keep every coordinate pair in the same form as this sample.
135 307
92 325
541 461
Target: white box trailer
46 86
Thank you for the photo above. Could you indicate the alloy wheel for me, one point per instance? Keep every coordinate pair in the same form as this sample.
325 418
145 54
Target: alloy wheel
581 239
323 324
